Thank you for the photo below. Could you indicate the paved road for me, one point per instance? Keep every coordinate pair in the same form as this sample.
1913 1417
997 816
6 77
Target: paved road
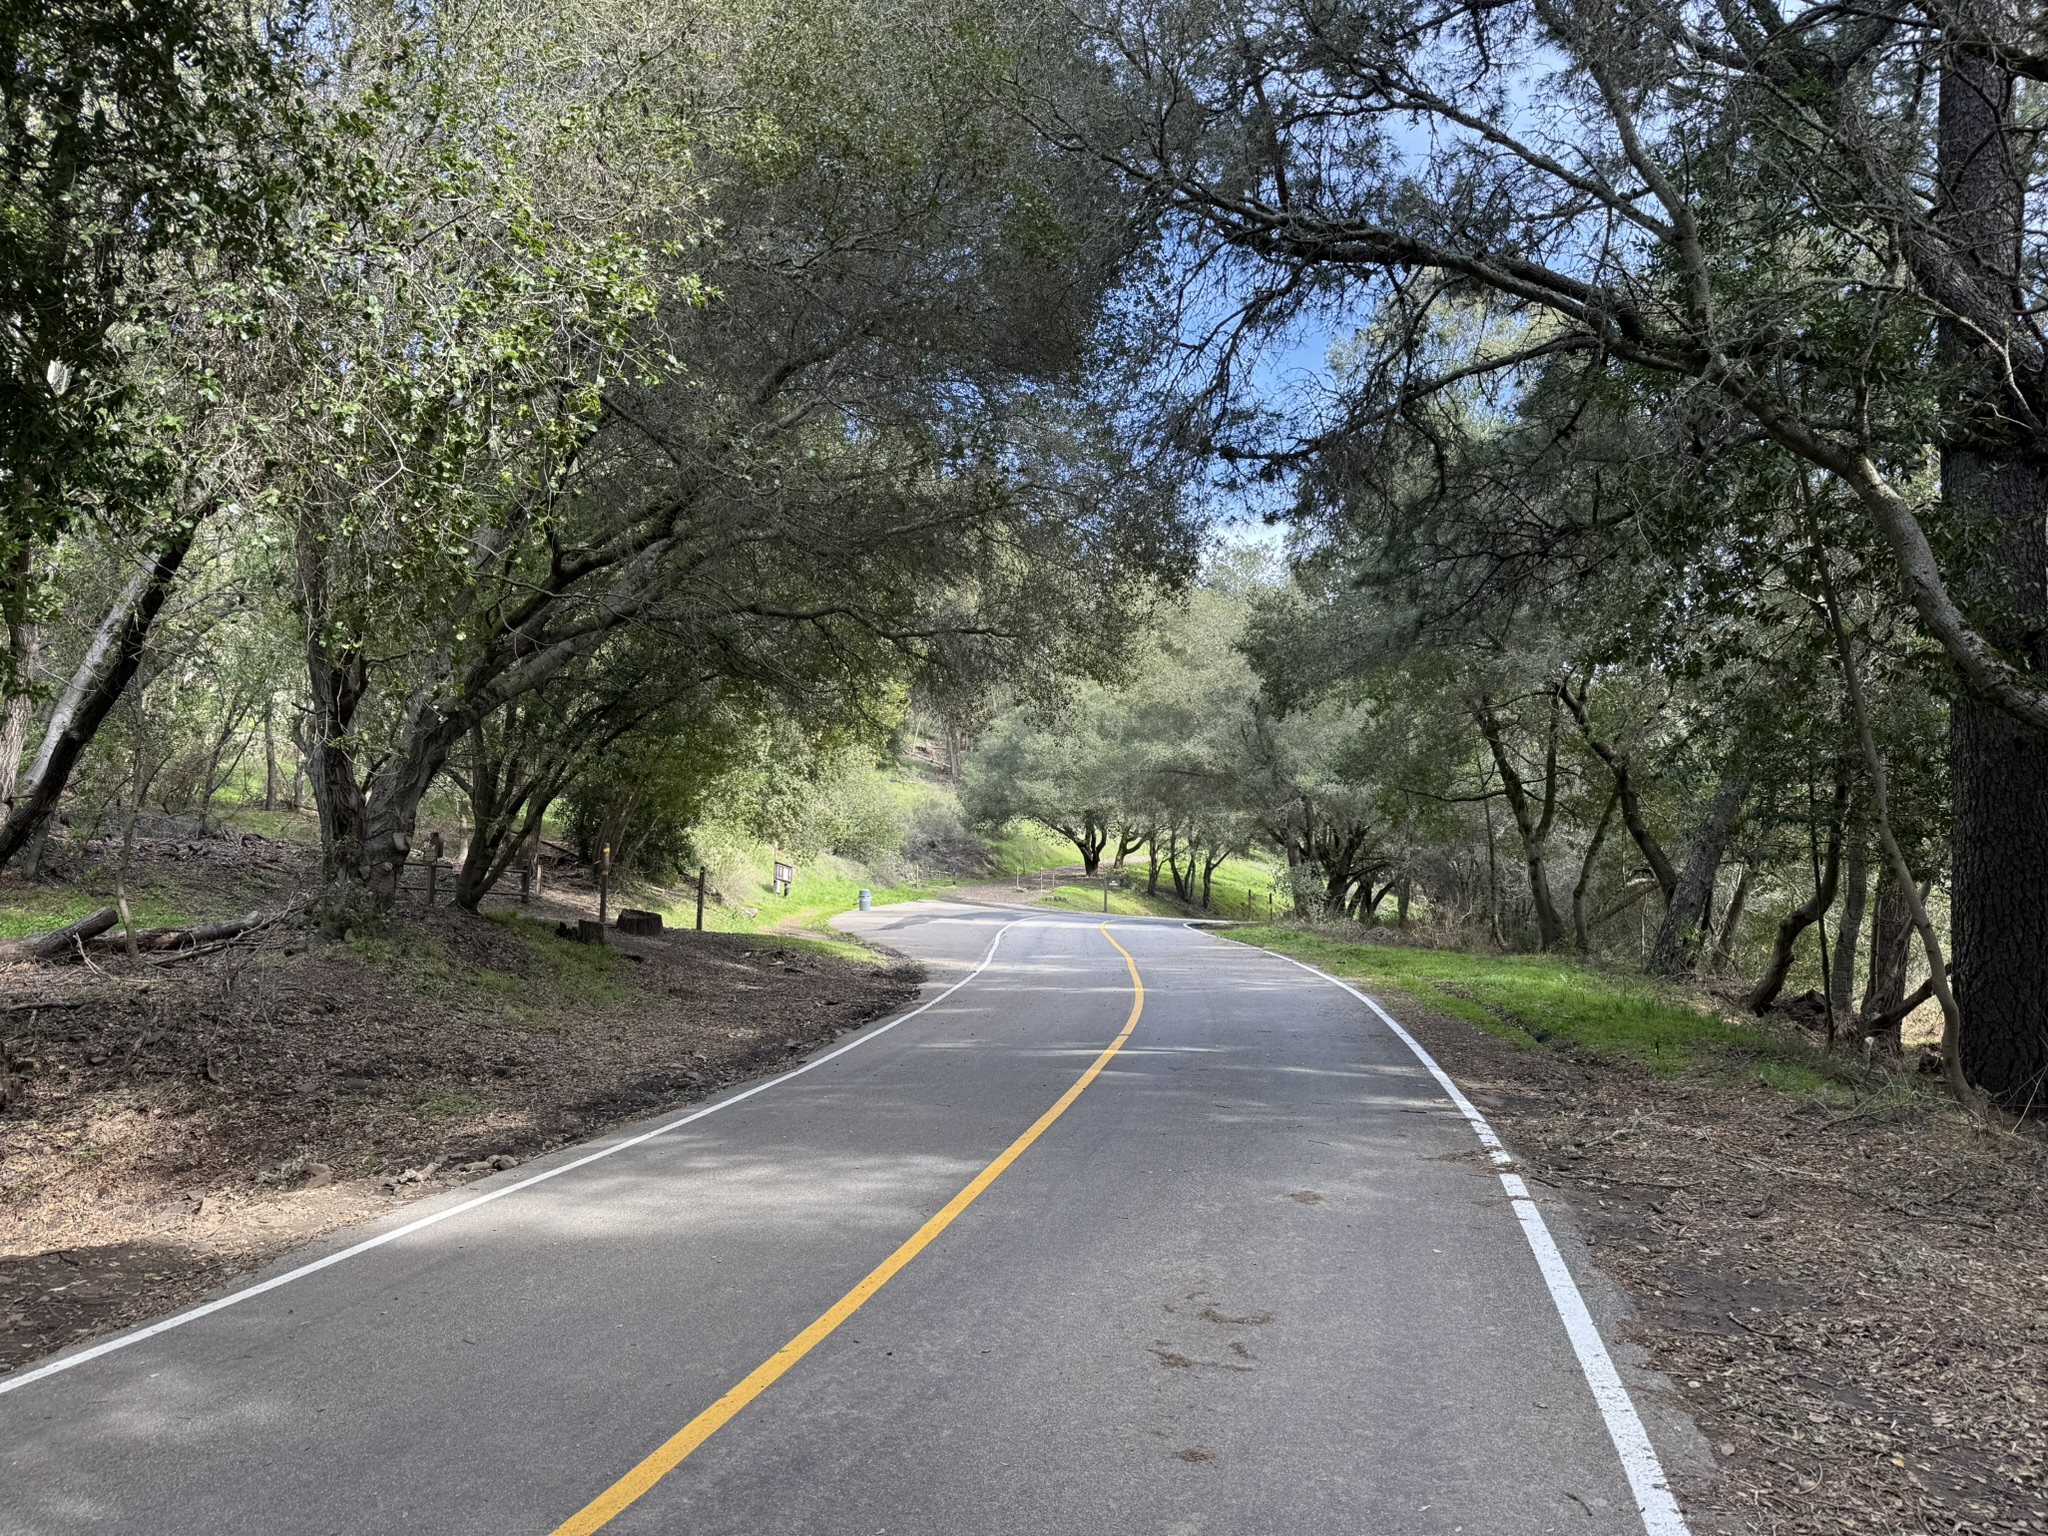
1254 1279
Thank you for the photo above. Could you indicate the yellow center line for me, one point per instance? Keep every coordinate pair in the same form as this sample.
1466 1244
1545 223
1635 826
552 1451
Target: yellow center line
669 1455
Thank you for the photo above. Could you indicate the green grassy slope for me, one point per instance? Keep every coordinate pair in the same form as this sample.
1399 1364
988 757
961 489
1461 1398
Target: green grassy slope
1539 1001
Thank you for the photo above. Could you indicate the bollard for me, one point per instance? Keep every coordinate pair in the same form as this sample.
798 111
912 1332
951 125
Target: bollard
700 898
867 899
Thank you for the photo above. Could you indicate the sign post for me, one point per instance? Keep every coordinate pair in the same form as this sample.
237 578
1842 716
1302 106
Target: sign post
785 877
604 875
700 898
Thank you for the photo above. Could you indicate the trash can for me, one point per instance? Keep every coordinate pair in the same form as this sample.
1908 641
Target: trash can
867 899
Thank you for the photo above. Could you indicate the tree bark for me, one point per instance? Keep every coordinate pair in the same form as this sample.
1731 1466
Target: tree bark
1891 946
48 946
1996 482
1884 1006
1582 930
269 754
96 685
1731 924
1679 935
1618 764
1532 824
20 715
1806 914
1849 931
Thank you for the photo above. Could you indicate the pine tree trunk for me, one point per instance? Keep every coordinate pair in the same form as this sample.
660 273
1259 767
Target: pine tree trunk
1994 482
1891 948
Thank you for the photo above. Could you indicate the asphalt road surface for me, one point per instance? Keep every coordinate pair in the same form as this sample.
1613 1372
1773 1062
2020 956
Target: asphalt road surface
983 1270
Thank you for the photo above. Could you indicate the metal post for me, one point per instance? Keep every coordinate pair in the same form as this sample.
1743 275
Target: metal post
1105 895
700 898
604 875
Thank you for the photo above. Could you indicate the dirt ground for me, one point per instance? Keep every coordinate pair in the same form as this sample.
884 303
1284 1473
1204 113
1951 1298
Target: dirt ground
1852 1304
180 1119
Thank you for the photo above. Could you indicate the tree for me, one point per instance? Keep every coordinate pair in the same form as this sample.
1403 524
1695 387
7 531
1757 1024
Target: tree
533 408
1771 219
1067 773
154 156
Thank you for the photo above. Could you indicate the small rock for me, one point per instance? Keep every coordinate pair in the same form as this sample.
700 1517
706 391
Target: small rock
1726 1448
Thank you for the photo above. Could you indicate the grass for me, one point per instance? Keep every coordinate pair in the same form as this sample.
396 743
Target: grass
822 890
1124 901
1535 1001
1026 848
1240 886
38 909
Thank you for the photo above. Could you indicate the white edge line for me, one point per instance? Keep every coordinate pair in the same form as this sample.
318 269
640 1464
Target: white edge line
1646 1480
122 1341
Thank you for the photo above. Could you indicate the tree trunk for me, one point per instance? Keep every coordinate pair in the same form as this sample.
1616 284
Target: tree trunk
1582 932
1731 925
96 685
1678 936
14 729
1803 916
1999 903
1849 932
1531 823
269 754
365 830
1994 483
1618 764
1088 840
1891 950
1891 946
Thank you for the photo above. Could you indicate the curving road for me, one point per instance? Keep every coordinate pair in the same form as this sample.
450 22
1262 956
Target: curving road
1129 1230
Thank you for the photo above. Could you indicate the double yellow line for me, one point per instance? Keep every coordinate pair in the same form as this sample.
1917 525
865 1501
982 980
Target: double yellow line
670 1454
